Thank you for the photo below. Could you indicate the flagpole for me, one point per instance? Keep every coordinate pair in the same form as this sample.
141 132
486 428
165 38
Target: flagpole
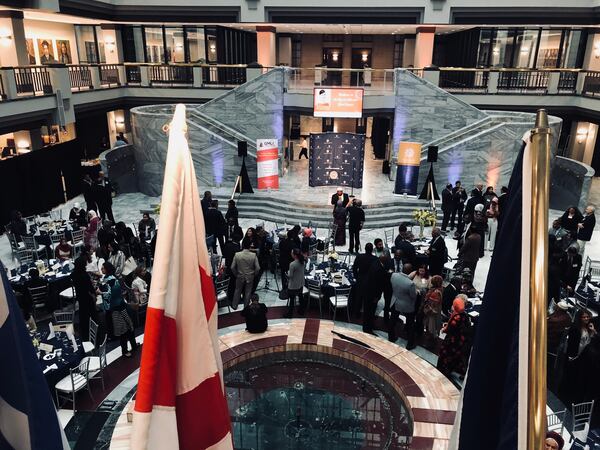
541 137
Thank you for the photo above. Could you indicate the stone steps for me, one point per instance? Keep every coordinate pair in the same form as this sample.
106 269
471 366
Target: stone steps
383 215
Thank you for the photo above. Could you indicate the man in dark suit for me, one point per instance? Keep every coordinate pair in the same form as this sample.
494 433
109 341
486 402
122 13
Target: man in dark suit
437 251
102 193
459 197
356 220
234 231
570 265
585 228
340 195
446 205
501 205
401 242
215 224
450 293
229 250
377 279
360 269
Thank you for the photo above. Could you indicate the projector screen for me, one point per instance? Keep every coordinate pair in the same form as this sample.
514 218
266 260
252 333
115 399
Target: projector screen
338 102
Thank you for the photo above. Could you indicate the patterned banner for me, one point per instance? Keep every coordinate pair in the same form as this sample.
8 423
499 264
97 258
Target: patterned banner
267 163
336 159
407 171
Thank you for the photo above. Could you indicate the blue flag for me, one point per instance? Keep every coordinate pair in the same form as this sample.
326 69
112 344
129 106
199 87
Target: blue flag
494 397
28 416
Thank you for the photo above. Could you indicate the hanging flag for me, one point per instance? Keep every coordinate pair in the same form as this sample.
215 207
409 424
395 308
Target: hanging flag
492 413
180 400
28 417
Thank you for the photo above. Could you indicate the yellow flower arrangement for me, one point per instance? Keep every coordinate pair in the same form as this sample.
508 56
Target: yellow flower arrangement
424 217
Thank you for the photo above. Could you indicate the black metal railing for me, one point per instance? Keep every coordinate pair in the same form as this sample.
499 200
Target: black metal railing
524 81
33 80
464 81
591 84
109 75
170 75
133 74
567 82
80 77
219 75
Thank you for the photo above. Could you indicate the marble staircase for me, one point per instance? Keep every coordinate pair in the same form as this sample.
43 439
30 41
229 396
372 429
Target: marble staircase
269 208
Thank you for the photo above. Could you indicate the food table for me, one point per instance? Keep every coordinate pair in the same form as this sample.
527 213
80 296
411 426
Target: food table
331 276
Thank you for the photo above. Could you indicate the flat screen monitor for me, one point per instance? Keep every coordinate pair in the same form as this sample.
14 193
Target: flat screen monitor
338 102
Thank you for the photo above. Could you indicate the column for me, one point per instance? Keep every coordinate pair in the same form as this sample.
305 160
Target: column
284 50
266 45
424 46
13 47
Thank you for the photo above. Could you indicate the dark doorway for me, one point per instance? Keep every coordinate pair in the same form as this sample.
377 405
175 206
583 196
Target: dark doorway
361 59
333 59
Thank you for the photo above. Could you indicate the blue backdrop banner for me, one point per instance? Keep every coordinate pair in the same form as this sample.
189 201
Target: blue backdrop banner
336 159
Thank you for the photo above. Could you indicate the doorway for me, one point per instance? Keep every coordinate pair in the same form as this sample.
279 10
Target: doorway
361 59
333 58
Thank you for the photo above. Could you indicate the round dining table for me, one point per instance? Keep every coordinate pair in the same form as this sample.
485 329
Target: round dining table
58 278
55 364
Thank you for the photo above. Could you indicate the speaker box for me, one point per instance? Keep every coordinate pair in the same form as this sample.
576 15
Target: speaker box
242 148
385 168
432 153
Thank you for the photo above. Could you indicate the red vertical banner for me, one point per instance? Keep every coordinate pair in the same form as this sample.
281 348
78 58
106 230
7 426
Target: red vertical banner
267 163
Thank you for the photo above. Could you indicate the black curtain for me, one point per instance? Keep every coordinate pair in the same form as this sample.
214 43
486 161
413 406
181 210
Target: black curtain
31 183
379 136
91 129
457 49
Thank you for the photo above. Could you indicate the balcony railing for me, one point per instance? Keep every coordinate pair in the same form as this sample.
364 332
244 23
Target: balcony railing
567 82
133 74
373 81
472 81
109 75
591 84
525 81
170 75
2 92
223 75
80 77
32 80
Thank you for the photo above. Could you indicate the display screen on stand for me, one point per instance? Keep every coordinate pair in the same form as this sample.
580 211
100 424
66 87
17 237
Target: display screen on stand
338 102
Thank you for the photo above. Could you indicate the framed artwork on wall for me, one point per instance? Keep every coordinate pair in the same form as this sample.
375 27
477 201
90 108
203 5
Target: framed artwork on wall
64 51
30 51
46 51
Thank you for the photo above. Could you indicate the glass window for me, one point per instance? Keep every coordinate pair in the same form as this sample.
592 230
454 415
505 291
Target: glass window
211 45
525 46
571 49
101 49
86 44
133 44
502 49
175 45
154 45
483 54
549 49
196 49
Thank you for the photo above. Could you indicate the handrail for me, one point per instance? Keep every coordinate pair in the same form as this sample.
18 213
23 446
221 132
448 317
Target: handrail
221 138
238 180
222 126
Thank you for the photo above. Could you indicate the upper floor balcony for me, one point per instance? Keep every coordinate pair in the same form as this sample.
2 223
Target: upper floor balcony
44 89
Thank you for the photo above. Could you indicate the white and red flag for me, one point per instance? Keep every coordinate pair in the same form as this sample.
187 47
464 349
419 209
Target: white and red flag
180 399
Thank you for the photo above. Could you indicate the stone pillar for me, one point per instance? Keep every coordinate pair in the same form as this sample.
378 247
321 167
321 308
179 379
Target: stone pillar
144 76
284 50
95 75
265 46
424 47
8 82
59 77
493 78
197 74
13 47
432 74
553 78
253 71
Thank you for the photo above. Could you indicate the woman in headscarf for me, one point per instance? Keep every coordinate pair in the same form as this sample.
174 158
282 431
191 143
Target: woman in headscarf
455 347
90 236
339 218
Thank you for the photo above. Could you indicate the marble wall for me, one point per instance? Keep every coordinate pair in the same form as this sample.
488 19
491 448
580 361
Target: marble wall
570 184
424 112
249 112
487 156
